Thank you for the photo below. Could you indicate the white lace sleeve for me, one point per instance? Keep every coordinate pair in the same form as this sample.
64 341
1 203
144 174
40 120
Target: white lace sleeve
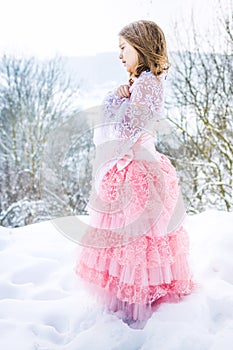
127 119
144 108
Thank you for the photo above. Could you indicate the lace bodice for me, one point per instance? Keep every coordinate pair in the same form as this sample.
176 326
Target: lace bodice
138 114
129 123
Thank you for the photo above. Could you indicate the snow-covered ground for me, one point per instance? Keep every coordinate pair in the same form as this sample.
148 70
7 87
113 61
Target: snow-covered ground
43 306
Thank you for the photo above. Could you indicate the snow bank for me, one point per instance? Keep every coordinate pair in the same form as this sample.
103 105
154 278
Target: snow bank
43 306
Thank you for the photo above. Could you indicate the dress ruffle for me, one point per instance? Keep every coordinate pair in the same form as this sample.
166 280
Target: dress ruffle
142 272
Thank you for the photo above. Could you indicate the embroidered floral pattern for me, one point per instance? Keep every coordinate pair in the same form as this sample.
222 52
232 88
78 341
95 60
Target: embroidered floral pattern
136 114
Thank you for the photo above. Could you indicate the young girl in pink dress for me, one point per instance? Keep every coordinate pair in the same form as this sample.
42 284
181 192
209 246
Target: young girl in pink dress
135 252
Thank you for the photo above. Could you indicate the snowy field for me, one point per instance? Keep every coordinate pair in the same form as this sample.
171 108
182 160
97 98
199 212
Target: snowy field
43 306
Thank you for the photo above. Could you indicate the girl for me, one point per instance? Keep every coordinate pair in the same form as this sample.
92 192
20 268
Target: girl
136 248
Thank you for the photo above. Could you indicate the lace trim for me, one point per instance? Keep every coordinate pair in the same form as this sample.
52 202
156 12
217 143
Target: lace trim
141 272
137 293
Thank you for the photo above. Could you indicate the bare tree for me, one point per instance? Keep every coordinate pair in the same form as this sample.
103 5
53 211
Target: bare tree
201 109
35 98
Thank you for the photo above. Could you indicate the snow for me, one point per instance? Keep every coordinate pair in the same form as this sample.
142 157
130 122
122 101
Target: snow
43 306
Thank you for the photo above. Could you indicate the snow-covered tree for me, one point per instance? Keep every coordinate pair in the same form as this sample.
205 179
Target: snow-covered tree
201 111
35 98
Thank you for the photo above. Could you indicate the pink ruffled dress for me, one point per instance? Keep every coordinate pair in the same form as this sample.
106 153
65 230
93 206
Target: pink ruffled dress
135 252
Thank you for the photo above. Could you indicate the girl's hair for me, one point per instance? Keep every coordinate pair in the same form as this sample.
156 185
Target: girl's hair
148 40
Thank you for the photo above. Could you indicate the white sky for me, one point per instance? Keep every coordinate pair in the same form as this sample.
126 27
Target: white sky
81 27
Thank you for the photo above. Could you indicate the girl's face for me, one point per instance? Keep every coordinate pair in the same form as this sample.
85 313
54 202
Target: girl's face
128 55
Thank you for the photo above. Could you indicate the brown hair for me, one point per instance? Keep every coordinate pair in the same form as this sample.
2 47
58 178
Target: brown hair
148 40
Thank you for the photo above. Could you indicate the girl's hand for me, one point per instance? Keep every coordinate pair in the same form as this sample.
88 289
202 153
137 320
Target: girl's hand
123 91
